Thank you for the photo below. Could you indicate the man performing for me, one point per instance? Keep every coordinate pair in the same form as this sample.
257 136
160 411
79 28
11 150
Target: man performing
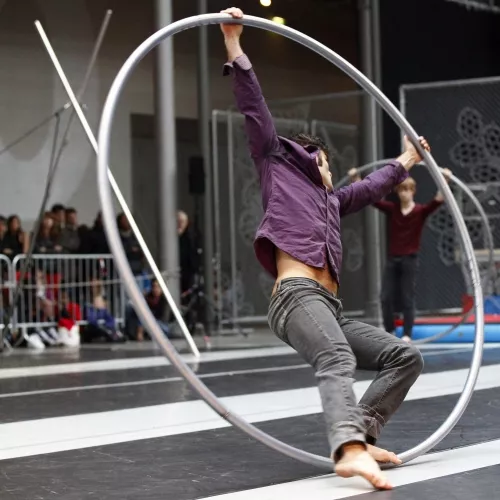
298 242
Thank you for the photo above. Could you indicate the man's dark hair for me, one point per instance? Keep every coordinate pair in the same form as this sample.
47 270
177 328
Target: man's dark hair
311 140
71 210
57 208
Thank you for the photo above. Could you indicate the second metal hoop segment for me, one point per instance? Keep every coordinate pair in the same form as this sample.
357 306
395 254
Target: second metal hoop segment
137 297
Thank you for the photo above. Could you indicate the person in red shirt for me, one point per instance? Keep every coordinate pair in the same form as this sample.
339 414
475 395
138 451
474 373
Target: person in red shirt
406 223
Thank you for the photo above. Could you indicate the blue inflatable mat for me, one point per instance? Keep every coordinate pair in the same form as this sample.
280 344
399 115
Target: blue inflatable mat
463 333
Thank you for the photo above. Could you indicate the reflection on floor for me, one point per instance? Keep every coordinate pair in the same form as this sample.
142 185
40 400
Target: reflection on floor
119 423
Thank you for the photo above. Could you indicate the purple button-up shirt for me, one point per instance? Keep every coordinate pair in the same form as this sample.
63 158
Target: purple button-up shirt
301 217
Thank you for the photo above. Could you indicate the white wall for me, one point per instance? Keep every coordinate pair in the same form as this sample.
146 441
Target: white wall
30 89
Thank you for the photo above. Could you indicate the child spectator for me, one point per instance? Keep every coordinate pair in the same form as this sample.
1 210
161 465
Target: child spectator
406 223
100 322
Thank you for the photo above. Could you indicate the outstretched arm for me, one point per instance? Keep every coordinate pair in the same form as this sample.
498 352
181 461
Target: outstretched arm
380 183
261 133
384 206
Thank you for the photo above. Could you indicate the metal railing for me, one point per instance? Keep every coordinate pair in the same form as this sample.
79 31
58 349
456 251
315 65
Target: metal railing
55 282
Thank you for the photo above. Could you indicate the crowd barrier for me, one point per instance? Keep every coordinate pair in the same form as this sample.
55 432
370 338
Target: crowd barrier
52 282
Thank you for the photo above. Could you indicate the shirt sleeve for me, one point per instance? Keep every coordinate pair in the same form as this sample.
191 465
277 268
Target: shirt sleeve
431 207
259 125
371 189
384 206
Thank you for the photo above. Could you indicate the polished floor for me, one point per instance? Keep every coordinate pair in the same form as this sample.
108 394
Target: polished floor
119 423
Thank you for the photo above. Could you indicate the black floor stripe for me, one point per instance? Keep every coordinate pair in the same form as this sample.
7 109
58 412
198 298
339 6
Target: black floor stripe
118 398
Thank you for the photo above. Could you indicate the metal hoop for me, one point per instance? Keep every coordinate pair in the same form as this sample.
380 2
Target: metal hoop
137 297
490 275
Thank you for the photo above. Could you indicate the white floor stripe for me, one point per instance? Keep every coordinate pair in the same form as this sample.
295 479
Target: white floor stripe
167 380
144 362
81 431
331 487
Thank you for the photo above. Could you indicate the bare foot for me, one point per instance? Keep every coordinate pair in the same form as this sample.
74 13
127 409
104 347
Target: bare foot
356 461
383 456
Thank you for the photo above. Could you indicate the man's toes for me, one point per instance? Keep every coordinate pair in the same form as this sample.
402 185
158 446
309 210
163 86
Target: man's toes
382 483
392 458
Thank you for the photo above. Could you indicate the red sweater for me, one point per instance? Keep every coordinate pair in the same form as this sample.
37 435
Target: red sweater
406 230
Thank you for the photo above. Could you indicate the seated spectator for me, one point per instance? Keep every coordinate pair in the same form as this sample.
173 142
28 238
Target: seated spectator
101 324
14 241
158 305
69 314
68 308
144 282
45 242
131 318
45 309
45 296
130 244
69 238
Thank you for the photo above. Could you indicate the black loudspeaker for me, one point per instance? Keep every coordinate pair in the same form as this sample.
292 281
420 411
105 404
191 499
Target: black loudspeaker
196 176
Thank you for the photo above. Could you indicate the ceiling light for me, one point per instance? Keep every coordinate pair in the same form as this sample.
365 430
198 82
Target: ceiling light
278 20
265 3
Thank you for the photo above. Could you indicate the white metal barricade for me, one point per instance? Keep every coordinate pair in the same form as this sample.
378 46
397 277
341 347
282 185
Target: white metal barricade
53 280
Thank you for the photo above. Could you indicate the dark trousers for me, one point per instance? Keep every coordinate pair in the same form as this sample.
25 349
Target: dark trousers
309 318
398 287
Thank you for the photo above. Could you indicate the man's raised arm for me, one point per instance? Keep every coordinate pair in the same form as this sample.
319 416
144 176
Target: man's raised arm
262 136
381 182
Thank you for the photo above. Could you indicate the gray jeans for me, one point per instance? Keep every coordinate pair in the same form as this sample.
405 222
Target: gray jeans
309 318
